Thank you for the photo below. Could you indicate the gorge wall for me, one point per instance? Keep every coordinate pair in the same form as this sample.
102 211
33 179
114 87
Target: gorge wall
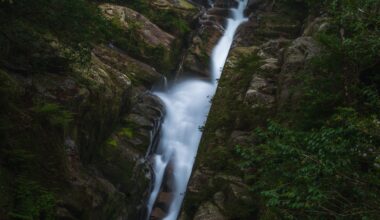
248 92
76 141
263 81
293 130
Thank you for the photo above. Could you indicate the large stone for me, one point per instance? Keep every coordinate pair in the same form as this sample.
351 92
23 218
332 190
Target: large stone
296 58
109 59
157 214
208 211
200 177
219 199
256 95
129 18
197 58
316 25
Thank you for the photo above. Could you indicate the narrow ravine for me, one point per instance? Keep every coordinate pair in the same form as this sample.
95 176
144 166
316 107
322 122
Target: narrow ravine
187 105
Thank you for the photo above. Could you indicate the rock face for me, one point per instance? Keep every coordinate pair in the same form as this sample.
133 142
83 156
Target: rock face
211 23
118 94
295 58
100 99
208 211
98 127
129 18
260 75
103 168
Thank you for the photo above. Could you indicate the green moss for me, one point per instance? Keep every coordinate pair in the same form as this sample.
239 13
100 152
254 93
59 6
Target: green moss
53 113
126 132
226 107
112 143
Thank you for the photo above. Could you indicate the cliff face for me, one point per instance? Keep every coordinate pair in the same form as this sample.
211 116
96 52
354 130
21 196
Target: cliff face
75 134
211 23
290 120
77 142
260 72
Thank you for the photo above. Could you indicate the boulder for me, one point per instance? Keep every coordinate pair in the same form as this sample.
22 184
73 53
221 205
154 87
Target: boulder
157 214
219 199
197 58
295 60
109 59
129 18
315 26
208 211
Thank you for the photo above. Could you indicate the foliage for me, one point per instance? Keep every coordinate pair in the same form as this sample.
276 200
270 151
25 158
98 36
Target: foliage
332 171
358 23
32 201
356 28
44 35
320 158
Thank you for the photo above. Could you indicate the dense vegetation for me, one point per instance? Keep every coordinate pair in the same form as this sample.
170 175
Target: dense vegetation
42 35
320 157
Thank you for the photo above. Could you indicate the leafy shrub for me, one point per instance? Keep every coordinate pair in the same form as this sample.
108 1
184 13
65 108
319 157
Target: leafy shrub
321 160
328 172
32 201
45 35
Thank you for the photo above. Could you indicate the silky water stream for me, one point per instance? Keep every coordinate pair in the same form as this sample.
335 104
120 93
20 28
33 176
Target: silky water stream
187 105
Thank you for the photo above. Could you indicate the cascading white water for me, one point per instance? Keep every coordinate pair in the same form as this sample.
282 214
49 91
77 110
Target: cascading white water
187 105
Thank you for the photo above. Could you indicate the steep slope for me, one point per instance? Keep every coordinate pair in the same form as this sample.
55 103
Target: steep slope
75 132
285 129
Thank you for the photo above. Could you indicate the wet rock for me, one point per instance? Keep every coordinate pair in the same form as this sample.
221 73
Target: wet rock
225 3
110 60
148 31
241 138
300 50
157 214
274 47
104 92
208 211
267 25
220 12
163 201
200 177
219 199
316 25
236 193
185 9
256 95
198 56
272 35
295 57
211 23
270 65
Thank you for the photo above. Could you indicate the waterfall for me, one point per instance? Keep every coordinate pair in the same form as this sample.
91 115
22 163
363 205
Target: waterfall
187 105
